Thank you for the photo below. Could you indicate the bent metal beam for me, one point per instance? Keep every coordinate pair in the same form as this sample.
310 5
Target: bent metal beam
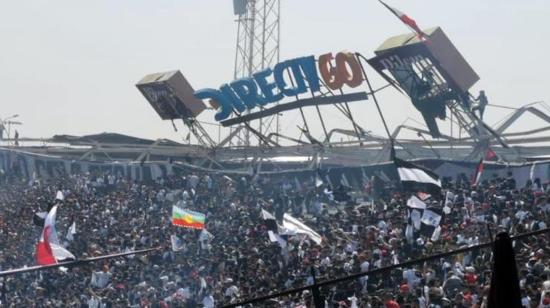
314 101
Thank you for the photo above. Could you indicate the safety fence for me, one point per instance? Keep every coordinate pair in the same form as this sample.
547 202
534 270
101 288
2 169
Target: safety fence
317 288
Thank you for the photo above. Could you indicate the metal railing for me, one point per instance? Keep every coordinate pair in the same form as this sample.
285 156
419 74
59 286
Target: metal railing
314 288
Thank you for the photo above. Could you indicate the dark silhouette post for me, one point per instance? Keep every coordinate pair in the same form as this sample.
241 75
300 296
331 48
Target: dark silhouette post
504 290
318 299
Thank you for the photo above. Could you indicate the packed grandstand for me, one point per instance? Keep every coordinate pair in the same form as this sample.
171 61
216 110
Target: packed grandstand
238 255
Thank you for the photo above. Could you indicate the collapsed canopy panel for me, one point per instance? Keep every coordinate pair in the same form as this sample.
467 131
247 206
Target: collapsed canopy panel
431 72
439 49
171 95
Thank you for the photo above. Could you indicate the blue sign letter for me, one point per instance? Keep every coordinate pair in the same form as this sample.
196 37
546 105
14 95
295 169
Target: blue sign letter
310 71
267 87
225 107
247 90
278 72
232 98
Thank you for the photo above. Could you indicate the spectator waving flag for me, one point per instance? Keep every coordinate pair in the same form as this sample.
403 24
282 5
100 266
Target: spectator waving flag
187 219
406 20
48 249
417 179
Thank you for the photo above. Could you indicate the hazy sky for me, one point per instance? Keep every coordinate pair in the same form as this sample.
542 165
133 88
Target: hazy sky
69 67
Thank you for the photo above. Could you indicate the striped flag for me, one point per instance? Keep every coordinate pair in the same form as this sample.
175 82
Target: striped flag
417 179
187 219
406 20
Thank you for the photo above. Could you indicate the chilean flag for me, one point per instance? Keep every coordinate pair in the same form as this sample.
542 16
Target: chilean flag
477 175
406 20
48 249
44 253
491 155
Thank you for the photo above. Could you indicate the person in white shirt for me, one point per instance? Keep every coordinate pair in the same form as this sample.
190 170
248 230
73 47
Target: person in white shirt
232 291
101 279
208 301
412 279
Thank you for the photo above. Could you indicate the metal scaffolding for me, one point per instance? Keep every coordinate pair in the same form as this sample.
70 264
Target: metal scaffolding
258 29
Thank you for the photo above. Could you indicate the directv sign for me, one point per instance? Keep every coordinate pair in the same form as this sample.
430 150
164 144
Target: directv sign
269 85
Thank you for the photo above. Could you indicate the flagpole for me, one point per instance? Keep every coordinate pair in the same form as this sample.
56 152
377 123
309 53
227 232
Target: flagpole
76 262
391 10
421 34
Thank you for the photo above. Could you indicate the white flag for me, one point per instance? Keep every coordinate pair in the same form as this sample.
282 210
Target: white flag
205 235
267 215
177 243
430 218
276 238
59 195
71 232
436 234
416 217
294 225
415 203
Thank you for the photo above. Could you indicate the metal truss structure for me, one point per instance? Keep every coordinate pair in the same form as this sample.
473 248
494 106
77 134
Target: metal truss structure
458 104
257 48
361 148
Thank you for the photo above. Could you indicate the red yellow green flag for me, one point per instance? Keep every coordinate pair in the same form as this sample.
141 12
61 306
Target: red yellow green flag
187 219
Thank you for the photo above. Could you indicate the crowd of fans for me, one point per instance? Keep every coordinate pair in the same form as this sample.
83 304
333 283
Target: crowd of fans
235 260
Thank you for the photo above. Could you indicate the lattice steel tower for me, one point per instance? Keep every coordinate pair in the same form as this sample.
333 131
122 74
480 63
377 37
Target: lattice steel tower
257 46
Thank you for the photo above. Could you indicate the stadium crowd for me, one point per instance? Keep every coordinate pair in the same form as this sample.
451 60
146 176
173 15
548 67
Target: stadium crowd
235 260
